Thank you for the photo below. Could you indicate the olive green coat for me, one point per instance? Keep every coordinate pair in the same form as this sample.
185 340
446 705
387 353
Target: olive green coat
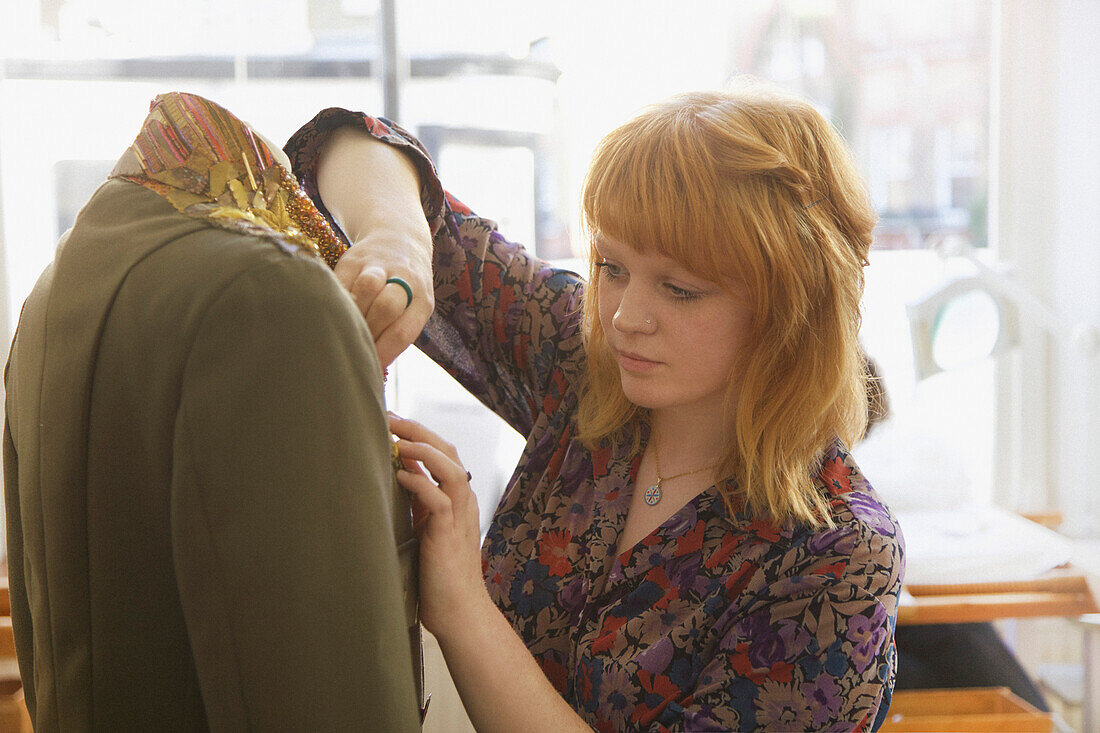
203 523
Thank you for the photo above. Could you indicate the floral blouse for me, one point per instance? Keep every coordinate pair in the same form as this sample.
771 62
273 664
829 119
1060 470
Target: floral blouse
715 621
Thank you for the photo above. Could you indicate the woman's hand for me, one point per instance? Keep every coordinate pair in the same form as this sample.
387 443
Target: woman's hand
395 317
372 191
501 685
452 589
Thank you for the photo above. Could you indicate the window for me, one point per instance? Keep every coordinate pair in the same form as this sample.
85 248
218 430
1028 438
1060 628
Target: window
525 95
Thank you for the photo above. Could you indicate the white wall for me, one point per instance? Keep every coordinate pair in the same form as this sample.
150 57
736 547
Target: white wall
1046 223
1075 262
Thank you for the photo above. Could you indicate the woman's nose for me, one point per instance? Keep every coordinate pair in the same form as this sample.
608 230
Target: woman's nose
634 312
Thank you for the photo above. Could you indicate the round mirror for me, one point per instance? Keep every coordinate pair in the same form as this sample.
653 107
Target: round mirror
965 330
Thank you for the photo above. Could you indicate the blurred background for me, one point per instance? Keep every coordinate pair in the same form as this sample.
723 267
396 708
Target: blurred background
974 123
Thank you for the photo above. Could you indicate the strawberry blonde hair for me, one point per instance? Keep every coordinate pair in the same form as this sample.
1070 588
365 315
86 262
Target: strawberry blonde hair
755 191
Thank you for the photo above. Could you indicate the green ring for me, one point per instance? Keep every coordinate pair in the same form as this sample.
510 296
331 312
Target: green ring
408 290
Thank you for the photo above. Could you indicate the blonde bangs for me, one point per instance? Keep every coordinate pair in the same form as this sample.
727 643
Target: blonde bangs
641 169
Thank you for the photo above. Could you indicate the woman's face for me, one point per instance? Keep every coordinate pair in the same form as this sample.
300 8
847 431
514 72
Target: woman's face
676 336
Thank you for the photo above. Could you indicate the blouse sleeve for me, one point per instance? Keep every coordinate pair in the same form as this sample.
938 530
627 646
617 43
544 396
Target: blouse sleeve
820 662
506 325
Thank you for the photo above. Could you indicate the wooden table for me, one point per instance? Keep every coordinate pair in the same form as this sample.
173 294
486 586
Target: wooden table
1005 569
983 563
1062 592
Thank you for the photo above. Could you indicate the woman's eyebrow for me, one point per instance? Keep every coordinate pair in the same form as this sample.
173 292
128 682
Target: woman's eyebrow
679 272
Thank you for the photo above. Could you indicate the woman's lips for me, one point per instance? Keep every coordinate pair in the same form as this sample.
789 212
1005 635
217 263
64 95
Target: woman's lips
635 362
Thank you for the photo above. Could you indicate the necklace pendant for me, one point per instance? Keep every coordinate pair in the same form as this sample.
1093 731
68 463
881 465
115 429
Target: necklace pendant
653 494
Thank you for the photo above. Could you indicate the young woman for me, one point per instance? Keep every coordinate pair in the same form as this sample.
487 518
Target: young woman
686 543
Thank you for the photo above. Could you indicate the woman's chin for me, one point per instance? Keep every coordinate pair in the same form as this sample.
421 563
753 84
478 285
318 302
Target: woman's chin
646 398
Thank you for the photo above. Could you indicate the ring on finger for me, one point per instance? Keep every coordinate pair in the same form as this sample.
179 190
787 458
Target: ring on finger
404 286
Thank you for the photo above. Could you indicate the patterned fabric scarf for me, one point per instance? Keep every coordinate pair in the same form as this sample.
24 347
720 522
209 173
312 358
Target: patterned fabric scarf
211 166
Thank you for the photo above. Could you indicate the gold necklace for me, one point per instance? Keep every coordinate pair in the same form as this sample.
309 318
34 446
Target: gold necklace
653 493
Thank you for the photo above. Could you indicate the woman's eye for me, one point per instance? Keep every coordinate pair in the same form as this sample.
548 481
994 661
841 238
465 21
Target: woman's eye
682 293
609 270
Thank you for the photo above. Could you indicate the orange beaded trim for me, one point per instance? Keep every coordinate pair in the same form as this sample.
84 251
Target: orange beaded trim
197 155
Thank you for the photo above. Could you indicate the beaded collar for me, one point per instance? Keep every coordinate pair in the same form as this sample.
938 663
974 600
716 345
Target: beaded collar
209 165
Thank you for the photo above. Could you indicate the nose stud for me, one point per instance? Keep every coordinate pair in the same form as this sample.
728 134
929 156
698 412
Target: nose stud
649 321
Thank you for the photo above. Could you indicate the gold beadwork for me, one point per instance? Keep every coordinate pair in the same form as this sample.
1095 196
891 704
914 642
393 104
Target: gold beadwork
208 175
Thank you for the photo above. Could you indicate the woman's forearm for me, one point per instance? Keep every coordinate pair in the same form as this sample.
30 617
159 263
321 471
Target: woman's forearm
370 187
372 191
501 685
